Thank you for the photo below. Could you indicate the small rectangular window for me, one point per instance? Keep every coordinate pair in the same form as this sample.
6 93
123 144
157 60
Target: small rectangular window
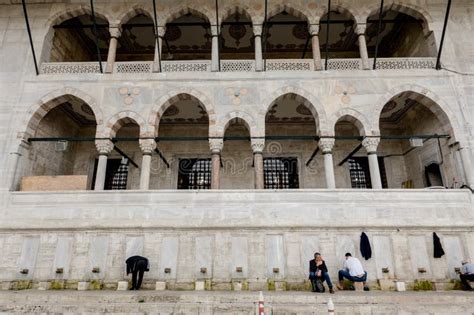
194 174
280 173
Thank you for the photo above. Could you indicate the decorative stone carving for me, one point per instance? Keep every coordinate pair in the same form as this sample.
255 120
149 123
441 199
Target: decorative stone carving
161 31
370 144
115 31
360 29
216 145
326 144
104 146
214 31
257 30
147 145
314 30
258 145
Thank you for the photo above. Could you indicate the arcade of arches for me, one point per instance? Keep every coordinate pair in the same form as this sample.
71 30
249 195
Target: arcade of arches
290 156
284 35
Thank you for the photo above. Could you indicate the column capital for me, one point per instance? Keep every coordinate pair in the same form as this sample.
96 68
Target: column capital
104 146
161 31
314 29
115 31
360 28
370 144
326 144
258 145
147 145
216 145
257 30
214 30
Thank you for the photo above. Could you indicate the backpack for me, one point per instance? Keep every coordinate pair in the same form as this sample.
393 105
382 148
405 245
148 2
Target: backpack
318 286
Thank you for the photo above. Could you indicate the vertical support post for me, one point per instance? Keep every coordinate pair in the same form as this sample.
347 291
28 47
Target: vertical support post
379 26
364 56
114 35
104 147
257 32
467 167
25 13
94 28
215 49
326 145
370 145
12 165
327 35
445 26
147 146
157 58
264 36
314 31
216 145
257 147
218 37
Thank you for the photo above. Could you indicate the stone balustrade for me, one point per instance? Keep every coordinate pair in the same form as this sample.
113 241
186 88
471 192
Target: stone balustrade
238 65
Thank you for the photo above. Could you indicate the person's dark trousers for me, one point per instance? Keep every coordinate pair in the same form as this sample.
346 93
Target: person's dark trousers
325 277
465 279
141 266
345 274
137 278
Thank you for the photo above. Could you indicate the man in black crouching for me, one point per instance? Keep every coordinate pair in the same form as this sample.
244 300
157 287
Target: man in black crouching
137 265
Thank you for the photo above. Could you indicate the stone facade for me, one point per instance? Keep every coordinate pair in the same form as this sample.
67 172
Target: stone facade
235 226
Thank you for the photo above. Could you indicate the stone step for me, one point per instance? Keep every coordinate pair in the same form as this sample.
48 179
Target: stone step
213 302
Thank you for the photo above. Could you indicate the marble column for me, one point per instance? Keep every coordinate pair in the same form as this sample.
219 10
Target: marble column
147 146
364 55
326 145
215 49
314 31
104 147
370 145
158 49
257 147
114 35
257 32
216 146
467 167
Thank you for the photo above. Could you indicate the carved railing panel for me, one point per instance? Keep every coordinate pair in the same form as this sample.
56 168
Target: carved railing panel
237 65
344 64
70 67
404 63
133 67
290 65
186 66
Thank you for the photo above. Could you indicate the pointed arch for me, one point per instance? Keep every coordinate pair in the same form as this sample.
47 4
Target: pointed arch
340 9
55 98
75 11
172 97
133 12
406 8
353 116
290 9
249 122
117 121
425 97
178 12
313 104
228 11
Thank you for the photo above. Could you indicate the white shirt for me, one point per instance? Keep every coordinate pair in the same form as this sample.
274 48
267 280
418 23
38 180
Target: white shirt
468 269
354 267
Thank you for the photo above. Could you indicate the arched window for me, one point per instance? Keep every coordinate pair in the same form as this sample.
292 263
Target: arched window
342 41
137 40
237 37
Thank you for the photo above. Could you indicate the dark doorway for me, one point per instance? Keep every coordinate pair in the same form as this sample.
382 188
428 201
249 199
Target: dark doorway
360 172
433 175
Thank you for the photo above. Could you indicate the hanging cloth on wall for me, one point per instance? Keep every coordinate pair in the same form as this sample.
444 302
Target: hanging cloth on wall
365 249
438 251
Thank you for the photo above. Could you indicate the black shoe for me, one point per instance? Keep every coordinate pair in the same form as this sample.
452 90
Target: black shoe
366 288
331 291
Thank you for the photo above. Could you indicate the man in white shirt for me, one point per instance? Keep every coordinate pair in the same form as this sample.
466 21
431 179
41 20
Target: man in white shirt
467 274
352 271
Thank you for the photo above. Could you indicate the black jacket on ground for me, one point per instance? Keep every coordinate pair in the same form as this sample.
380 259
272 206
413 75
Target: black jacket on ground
137 263
438 251
365 248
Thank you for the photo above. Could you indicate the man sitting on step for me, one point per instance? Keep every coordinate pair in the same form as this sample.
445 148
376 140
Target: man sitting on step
466 275
352 271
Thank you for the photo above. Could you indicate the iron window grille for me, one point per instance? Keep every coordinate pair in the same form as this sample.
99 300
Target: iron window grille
194 174
280 173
